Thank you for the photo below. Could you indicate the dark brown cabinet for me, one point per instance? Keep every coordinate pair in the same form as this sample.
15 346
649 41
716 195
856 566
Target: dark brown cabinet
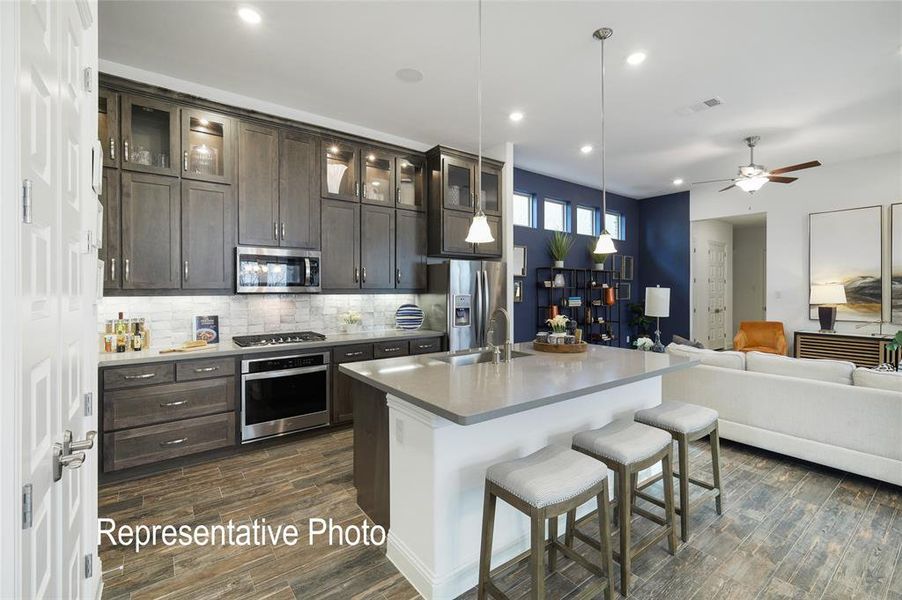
491 189
207 146
378 169
458 183
208 236
258 185
109 251
410 183
150 135
340 268
108 126
151 223
455 226
377 248
492 248
340 176
410 250
299 201
342 402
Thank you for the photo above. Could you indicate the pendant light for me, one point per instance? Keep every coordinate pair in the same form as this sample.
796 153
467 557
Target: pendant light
479 232
605 244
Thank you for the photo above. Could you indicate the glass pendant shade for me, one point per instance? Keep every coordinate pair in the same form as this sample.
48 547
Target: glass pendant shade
479 230
605 244
751 184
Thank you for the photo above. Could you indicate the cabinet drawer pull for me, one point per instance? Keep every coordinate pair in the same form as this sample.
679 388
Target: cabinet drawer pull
350 354
175 403
113 269
142 376
185 160
206 369
393 349
425 346
112 149
174 442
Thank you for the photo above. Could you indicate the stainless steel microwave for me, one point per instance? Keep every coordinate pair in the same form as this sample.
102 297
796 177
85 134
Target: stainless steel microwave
277 271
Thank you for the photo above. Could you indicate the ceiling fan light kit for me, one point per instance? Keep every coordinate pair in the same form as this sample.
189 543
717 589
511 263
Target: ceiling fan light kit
479 232
752 177
605 243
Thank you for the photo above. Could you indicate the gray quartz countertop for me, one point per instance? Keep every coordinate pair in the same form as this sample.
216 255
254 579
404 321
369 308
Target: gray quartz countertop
468 394
227 348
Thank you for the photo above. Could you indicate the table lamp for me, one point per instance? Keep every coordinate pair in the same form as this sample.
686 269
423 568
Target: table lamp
826 297
657 304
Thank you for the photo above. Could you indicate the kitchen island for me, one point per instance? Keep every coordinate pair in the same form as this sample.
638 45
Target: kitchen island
450 416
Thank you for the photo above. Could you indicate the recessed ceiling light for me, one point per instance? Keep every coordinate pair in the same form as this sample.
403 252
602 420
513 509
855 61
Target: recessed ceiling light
586 149
677 181
636 58
515 116
408 75
249 15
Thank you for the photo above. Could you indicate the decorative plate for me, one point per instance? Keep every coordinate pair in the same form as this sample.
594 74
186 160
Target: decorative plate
409 316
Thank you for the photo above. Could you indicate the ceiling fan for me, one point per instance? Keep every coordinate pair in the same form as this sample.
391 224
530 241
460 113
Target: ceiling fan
752 177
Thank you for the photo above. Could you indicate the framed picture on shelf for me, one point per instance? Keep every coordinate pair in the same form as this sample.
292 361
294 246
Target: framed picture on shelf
624 291
626 268
518 290
519 267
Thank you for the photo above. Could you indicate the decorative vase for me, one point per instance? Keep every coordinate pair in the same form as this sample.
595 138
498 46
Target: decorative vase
559 281
552 311
599 266
609 298
558 264
557 338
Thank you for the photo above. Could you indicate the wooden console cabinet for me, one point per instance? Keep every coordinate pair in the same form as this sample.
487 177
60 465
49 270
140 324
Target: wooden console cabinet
862 349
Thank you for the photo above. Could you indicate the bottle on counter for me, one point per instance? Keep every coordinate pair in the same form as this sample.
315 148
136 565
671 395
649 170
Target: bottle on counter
121 333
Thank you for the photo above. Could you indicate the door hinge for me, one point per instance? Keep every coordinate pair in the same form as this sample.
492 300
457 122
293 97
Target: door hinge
89 566
26 506
89 404
26 201
88 74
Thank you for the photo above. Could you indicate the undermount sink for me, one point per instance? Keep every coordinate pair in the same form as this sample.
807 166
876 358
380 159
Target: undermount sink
479 356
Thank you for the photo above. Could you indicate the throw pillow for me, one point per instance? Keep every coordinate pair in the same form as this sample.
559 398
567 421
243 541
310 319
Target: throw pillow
678 339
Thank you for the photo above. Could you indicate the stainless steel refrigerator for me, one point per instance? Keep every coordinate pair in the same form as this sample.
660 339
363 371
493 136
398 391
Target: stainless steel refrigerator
460 300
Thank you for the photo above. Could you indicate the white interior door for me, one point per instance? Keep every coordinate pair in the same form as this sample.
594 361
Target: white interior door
57 359
717 289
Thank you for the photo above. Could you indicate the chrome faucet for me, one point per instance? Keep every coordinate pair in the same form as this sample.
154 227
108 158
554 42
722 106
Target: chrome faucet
490 335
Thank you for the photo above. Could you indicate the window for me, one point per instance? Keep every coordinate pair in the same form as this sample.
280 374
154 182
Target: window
524 210
585 220
555 215
615 223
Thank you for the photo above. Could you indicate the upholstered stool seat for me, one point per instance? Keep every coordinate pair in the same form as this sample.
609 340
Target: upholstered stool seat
677 416
685 423
627 447
545 485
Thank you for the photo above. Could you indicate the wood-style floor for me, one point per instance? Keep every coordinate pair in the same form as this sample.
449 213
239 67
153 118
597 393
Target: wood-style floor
789 530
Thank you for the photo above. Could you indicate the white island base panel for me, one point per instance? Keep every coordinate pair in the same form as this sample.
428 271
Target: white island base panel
437 473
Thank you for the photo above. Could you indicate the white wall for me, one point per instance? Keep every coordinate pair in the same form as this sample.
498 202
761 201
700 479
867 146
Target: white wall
870 181
703 232
749 273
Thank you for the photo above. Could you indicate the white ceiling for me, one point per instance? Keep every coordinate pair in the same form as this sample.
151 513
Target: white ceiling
817 80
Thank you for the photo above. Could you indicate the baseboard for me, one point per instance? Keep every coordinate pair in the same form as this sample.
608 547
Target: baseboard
860 463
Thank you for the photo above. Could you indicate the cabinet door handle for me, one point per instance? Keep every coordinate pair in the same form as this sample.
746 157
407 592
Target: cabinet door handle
174 442
363 271
206 369
186 270
113 268
112 148
398 275
283 230
125 150
357 275
176 403
398 195
141 376
126 269
185 160
275 230
356 188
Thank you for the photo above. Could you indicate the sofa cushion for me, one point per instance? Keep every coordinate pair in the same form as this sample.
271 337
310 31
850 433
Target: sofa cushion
712 358
882 380
833 371
678 339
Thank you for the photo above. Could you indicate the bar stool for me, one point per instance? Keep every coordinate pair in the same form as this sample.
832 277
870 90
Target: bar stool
627 447
545 485
686 423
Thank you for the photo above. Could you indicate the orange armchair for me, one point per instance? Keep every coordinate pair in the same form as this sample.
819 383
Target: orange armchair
760 336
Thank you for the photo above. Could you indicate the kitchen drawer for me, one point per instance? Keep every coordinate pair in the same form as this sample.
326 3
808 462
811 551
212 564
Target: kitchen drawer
204 369
116 378
161 403
389 349
425 346
144 445
346 354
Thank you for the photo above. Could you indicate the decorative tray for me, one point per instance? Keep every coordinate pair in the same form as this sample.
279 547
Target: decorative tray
561 348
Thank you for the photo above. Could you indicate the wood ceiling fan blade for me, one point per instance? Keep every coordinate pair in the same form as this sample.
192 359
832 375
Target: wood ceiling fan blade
778 179
711 181
798 167
726 188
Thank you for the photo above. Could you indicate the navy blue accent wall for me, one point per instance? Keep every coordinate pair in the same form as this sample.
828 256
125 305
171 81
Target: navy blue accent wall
664 253
526 317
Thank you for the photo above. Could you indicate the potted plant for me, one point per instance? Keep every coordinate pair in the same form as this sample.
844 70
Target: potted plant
559 247
558 324
896 342
644 343
597 259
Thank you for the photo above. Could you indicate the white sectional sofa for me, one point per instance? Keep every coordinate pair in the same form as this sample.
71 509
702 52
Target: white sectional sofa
823 411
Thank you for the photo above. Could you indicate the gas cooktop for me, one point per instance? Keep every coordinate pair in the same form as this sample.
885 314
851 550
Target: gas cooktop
274 339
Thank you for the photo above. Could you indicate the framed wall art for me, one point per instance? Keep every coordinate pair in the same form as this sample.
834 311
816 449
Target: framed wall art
896 253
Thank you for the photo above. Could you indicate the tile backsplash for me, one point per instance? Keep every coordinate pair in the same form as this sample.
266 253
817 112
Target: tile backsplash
169 317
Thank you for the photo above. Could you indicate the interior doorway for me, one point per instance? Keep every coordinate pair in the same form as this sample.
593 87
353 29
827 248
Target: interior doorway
750 269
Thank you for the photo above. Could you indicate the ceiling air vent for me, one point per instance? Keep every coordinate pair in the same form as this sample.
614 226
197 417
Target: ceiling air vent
700 106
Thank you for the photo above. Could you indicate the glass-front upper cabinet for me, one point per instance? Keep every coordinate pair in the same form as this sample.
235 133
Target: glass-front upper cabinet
108 126
150 132
410 190
491 190
457 179
207 146
340 179
378 177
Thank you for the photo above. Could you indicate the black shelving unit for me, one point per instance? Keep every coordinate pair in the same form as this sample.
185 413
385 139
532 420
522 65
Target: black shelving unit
600 322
